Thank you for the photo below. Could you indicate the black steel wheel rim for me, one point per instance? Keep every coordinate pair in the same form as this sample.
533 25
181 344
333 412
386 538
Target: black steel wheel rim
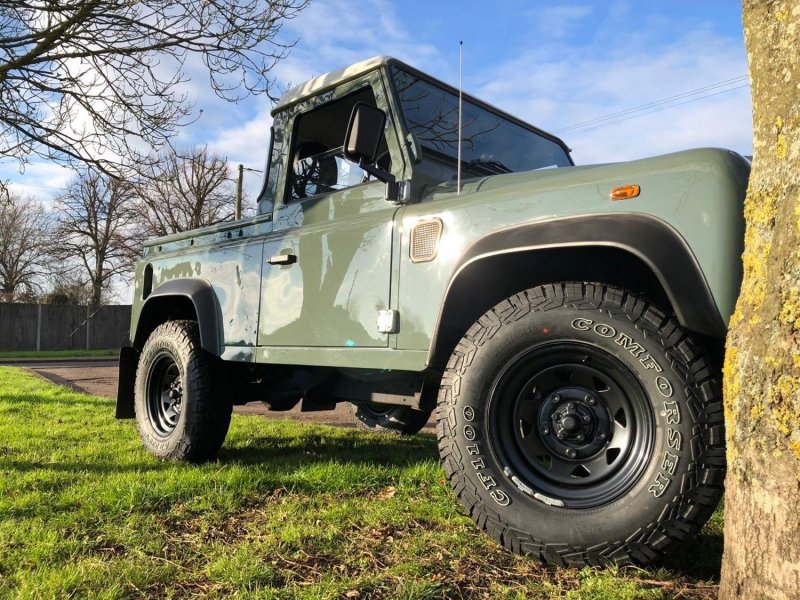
570 424
164 394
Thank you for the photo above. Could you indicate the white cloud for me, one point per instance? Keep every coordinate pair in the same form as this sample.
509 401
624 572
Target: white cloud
42 180
333 38
721 123
554 90
247 144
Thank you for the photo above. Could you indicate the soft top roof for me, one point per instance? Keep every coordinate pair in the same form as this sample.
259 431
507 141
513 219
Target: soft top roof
330 80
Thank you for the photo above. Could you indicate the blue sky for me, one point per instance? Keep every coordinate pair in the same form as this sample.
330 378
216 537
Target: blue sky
554 64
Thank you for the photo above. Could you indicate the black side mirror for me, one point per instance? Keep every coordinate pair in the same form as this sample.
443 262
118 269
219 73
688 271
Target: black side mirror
364 133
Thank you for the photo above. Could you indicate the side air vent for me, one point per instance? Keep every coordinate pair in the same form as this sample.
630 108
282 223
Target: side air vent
425 240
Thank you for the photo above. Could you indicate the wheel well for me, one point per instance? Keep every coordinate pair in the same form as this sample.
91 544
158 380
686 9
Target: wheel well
485 282
160 310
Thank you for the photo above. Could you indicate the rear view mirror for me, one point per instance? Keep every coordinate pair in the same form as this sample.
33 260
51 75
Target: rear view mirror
364 133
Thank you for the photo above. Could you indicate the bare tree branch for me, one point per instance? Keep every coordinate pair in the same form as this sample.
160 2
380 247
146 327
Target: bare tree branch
96 221
180 193
25 237
93 82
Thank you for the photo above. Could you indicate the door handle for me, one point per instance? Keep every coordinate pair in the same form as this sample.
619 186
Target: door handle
282 259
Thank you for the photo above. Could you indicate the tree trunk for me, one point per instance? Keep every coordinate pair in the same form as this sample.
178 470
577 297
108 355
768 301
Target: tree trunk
762 363
97 293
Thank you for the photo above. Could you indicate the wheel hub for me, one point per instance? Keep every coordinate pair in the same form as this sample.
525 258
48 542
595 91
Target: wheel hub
573 423
175 395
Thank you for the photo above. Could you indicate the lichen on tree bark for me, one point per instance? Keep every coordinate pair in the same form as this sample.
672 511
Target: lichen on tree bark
762 363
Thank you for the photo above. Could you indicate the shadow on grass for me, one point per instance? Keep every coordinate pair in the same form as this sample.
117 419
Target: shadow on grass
273 461
283 450
348 447
697 559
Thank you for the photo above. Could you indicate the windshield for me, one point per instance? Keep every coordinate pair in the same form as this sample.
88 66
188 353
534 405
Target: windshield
490 142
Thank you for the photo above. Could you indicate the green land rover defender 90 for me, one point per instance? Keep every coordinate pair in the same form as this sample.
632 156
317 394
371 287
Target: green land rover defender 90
566 322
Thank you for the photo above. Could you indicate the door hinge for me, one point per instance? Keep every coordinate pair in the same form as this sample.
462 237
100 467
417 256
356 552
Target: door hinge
282 259
388 321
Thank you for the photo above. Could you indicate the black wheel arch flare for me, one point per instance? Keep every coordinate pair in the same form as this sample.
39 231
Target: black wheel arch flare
644 238
206 308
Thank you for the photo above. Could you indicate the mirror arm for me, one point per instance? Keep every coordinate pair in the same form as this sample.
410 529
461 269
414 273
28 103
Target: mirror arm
377 173
392 186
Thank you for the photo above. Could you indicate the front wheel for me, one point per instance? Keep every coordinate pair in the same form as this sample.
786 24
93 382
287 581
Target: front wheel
181 410
579 424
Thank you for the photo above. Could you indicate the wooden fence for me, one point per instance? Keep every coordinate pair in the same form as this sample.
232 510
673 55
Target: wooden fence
63 326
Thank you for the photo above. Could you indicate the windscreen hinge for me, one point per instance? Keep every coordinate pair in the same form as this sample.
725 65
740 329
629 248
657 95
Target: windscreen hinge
388 321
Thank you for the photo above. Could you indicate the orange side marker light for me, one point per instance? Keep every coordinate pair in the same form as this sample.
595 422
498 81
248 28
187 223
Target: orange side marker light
624 192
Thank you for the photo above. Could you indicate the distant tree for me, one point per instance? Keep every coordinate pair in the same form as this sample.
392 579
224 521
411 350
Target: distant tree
25 249
180 193
96 220
67 289
88 80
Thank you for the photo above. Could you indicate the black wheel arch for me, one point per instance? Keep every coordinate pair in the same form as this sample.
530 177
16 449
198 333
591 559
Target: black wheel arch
632 251
186 298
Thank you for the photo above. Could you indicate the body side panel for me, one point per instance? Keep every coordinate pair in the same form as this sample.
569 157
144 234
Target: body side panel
227 258
331 295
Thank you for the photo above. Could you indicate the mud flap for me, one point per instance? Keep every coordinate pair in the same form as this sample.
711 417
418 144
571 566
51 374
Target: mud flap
128 361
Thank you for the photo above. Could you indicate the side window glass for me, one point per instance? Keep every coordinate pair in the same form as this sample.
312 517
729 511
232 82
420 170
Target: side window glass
323 172
317 165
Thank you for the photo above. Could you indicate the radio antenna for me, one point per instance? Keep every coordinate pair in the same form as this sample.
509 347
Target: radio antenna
460 104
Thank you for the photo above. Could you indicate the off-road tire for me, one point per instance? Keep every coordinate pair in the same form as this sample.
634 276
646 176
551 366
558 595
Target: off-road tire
191 424
525 373
386 418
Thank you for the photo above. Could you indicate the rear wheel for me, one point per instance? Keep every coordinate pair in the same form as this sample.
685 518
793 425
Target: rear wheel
181 410
388 418
579 424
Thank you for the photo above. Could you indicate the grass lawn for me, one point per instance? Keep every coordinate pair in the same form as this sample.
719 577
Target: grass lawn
288 511
58 353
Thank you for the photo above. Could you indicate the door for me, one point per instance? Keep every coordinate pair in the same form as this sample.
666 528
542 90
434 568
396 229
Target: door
327 270
328 262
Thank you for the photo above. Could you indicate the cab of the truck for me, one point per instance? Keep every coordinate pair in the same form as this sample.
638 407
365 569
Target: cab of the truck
424 127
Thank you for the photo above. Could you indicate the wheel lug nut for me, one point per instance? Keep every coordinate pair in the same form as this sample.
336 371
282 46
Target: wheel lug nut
555 398
545 430
571 453
601 435
589 399
579 438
